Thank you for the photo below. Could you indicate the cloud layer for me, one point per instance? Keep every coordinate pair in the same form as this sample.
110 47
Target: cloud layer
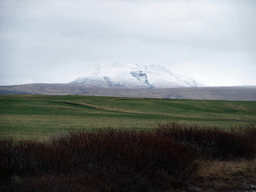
57 41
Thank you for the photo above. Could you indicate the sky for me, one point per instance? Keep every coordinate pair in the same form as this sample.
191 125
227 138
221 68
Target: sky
57 41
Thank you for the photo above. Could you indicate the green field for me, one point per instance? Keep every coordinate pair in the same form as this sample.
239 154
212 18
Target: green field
40 116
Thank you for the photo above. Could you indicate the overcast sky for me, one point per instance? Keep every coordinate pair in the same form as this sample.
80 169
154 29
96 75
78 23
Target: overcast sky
54 41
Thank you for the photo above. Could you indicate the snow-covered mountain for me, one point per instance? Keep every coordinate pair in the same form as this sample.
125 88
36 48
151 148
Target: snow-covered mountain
117 75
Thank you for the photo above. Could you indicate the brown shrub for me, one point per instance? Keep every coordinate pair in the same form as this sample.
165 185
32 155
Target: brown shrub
236 143
124 160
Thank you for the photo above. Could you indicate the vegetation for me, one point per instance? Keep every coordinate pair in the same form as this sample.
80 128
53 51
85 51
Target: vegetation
167 157
40 116
82 143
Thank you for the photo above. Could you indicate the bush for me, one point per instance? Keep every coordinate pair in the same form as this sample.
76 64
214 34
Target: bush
237 143
124 160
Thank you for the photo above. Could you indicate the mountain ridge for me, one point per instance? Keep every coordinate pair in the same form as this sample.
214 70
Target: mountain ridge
115 75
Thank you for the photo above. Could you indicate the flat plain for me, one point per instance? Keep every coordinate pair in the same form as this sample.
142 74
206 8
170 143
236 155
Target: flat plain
41 116
126 144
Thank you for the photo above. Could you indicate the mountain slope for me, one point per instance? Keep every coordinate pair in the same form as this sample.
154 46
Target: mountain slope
135 76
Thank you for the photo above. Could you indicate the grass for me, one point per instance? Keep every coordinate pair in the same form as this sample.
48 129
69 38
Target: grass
39 116
171 156
86 143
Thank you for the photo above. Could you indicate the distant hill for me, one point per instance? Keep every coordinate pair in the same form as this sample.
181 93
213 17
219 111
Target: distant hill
246 93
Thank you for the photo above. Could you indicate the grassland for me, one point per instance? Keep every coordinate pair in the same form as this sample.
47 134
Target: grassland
85 143
38 117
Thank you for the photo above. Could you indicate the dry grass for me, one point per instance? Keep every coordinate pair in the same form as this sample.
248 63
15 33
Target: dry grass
225 175
170 156
226 169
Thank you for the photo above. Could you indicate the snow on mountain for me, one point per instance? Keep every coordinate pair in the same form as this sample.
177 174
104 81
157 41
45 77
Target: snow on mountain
117 75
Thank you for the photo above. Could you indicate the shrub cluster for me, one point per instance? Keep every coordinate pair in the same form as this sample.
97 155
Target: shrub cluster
235 143
118 160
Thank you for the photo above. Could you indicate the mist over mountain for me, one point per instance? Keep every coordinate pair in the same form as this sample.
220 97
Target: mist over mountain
117 75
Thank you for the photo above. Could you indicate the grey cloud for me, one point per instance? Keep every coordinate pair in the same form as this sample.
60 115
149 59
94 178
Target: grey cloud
45 35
